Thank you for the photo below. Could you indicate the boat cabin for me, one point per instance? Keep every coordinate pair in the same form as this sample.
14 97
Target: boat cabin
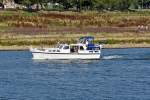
84 45
78 48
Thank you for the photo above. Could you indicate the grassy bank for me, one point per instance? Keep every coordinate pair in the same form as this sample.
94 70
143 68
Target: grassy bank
20 29
74 19
110 40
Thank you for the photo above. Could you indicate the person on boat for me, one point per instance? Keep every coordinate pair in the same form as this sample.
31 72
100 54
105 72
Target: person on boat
86 42
85 47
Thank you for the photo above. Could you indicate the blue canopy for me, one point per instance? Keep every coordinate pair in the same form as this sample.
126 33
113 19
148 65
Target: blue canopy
90 38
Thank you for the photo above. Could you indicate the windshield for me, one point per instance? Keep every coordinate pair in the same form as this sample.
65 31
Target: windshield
60 47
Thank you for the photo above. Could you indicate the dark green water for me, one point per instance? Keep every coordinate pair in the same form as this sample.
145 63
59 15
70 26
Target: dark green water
121 74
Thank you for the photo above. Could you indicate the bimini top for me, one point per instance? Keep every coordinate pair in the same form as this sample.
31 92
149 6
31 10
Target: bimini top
86 38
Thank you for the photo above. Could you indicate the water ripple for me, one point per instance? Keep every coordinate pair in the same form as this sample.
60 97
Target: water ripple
121 74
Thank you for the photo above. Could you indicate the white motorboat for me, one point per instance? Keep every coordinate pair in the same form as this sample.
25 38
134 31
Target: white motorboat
84 49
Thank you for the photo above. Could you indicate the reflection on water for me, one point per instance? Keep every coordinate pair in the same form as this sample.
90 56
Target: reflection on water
73 61
121 74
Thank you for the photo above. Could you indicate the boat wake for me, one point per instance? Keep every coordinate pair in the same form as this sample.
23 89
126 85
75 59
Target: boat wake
112 57
119 57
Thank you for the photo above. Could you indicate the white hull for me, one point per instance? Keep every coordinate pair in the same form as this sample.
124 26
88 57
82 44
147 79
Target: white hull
65 56
85 49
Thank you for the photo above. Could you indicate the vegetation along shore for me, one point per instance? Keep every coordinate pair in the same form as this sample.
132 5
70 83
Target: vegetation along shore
21 29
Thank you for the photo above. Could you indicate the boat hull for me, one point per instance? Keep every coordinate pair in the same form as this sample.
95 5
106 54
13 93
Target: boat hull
37 55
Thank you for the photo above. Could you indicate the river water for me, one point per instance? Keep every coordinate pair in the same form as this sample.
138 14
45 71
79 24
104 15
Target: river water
121 74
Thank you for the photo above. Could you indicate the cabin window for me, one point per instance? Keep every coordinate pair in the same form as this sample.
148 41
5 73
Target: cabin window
81 48
90 51
96 51
74 48
60 47
58 50
97 48
66 47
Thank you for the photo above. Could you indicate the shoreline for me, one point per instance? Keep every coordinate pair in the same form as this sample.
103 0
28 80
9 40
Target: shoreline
107 46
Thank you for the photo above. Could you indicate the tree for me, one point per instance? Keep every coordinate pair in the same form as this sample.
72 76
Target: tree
27 3
98 4
90 4
144 3
87 4
1 1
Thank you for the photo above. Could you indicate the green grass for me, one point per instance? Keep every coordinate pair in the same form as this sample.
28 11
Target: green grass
18 12
50 43
53 39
